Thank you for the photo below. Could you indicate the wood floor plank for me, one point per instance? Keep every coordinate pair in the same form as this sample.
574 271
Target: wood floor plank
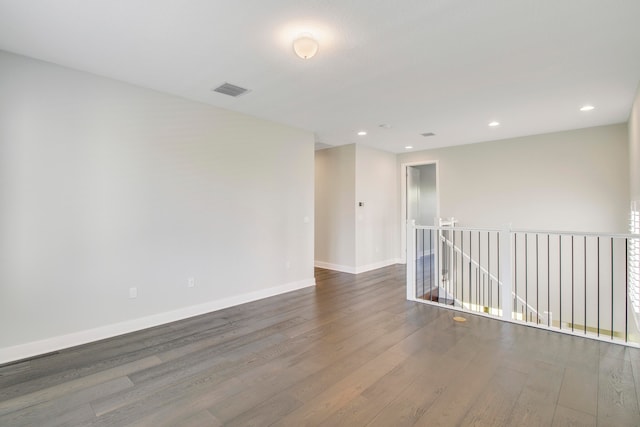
55 409
199 419
617 400
567 417
462 391
579 390
365 407
321 406
310 372
411 404
267 413
183 377
74 385
536 404
635 369
495 403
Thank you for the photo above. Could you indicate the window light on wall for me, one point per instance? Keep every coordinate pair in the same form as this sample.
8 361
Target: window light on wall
634 260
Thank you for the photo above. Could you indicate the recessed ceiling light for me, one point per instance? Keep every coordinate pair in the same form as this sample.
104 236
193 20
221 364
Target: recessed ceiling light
494 124
587 108
408 147
362 133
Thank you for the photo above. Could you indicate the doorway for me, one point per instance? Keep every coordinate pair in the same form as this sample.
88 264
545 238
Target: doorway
420 197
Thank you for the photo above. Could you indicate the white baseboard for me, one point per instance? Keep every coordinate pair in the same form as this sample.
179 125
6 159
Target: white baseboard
35 348
359 269
335 267
376 265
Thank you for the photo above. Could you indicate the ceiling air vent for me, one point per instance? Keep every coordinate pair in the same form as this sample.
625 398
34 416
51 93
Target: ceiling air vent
231 90
427 134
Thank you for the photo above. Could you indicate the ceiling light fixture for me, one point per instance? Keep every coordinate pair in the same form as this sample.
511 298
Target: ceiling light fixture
408 147
494 124
362 133
587 108
305 46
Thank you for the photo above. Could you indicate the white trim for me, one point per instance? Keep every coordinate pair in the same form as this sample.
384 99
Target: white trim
376 265
357 270
335 267
403 201
35 348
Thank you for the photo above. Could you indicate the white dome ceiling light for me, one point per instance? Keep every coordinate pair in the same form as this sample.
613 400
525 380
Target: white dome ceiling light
305 46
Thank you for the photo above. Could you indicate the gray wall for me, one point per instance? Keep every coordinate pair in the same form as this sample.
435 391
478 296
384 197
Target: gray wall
574 180
106 186
335 181
349 237
376 221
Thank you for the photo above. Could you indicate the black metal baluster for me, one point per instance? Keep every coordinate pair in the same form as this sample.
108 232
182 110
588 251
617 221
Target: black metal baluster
489 267
498 246
548 281
470 258
598 252
484 291
423 247
515 270
477 289
438 267
416 258
560 276
526 276
611 287
537 284
480 300
585 285
572 300
477 304
462 265
431 261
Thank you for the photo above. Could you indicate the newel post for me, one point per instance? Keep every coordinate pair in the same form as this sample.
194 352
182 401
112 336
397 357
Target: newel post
506 272
411 260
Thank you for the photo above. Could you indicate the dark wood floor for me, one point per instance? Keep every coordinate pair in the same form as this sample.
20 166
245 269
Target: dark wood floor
349 352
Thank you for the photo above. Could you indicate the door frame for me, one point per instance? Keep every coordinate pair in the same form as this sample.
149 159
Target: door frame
403 201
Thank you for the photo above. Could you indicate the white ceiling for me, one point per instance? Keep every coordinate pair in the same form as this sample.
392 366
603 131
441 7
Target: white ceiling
443 66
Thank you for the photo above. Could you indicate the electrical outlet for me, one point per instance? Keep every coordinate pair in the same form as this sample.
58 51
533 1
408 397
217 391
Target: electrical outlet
133 292
191 282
